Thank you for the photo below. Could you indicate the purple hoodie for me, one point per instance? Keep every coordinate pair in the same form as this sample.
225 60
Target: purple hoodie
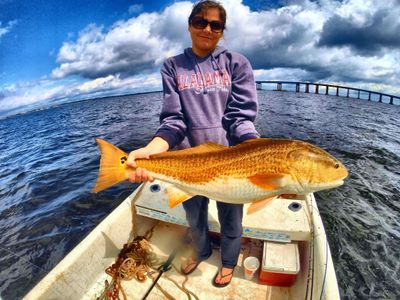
210 99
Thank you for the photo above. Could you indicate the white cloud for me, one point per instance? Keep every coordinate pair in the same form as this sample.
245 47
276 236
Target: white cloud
278 73
305 40
49 92
135 9
129 47
27 93
7 28
96 83
285 37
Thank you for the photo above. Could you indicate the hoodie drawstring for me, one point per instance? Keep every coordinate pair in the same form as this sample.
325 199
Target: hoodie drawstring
197 69
213 60
201 74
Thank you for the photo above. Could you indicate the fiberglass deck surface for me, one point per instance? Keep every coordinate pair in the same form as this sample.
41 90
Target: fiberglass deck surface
274 222
199 282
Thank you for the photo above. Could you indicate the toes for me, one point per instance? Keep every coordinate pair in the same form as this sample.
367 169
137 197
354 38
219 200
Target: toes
189 267
225 275
218 279
223 280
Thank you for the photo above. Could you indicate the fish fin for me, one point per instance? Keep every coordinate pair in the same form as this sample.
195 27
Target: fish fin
258 205
176 196
289 196
112 166
257 140
203 148
269 181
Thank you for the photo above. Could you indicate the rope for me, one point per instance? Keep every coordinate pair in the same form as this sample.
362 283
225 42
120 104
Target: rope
135 261
132 263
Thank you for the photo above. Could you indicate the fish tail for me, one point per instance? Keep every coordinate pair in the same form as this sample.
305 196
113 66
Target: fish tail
113 167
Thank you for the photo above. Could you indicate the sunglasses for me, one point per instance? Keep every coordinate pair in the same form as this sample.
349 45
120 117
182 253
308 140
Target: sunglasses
201 23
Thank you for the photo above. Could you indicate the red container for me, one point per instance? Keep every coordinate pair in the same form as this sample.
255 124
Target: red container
280 264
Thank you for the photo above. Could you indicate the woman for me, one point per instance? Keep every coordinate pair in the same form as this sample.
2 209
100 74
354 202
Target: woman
209 96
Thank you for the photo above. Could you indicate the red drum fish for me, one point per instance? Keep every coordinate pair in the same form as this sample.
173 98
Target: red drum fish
254 171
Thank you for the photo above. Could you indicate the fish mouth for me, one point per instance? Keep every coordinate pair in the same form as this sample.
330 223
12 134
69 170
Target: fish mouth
326 186
337 183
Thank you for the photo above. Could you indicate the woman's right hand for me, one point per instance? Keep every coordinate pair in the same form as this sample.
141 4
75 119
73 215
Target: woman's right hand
140 174
157 145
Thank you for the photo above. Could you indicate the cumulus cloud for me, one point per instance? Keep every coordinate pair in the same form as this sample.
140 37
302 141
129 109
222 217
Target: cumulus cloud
46 92
289 38
350 42
128 48
27 93
369 29
328 40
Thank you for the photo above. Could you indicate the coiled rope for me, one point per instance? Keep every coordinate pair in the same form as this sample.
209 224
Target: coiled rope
135 261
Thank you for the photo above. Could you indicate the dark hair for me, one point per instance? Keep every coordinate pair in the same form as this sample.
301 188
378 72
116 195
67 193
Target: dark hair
202 6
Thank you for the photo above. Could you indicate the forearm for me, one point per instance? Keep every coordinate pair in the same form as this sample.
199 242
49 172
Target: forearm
157 145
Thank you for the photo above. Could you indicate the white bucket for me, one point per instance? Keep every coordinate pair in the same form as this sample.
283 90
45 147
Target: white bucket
251 265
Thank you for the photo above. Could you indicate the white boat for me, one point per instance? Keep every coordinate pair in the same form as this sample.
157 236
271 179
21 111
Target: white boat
81 274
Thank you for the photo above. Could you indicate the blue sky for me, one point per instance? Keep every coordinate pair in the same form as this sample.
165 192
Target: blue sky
40 27
60 51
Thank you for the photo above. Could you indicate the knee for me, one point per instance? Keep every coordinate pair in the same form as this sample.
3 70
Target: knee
232 229
230 217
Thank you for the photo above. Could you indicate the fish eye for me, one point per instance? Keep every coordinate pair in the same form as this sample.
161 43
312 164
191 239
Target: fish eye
336 166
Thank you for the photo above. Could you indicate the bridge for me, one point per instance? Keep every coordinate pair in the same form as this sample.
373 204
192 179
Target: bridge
327 89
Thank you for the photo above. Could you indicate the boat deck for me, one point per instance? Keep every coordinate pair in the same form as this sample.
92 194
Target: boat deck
81 274
199 282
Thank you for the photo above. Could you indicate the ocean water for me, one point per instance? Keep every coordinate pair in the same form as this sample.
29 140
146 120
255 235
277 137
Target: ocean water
49 161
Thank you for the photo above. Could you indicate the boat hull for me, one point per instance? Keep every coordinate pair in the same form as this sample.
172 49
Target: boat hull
80 275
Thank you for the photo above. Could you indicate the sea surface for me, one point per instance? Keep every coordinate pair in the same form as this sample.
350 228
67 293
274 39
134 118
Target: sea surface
49 161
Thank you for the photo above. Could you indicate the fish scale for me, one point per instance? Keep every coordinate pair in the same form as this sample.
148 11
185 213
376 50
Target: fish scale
202 167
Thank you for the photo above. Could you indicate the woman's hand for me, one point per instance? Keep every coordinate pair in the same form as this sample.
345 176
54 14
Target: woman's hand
140 174
157 145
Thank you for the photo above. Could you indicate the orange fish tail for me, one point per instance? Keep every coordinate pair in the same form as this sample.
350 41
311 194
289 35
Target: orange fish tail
112 166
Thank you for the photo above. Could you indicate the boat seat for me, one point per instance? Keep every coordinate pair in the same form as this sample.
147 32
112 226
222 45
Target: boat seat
282 220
